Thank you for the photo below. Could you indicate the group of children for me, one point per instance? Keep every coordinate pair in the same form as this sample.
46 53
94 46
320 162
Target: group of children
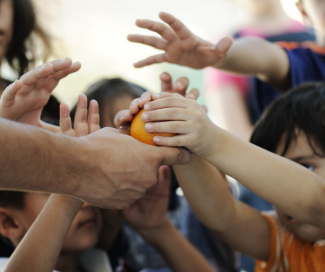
284 163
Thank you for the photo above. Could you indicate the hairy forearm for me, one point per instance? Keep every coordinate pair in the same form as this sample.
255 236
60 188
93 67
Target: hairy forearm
257 57
33 159
176 250
289 186
55 219
207 192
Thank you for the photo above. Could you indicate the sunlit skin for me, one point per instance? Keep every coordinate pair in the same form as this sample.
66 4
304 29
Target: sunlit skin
301 152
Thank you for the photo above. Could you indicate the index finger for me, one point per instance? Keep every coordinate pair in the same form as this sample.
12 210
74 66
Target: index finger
180 29
160 28
36 74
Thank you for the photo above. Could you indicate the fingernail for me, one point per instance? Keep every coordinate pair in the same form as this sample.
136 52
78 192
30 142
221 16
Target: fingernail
156 95
146 106
156 140
148 127
144 116
125 113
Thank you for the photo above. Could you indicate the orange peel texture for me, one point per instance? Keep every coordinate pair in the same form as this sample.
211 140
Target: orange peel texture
138 131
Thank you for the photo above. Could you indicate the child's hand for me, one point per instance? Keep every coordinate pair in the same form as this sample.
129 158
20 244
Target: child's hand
24 100
82 126
185 118
181 46
124 117
149 213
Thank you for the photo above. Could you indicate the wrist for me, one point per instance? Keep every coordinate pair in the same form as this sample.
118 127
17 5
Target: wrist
154 236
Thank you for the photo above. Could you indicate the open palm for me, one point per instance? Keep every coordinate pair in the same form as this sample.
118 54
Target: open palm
24 100
181 46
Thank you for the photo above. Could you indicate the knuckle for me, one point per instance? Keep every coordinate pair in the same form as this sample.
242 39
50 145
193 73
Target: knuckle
174 125
172 113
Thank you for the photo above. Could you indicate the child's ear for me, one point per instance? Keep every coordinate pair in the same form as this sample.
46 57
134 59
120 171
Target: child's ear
9 225
303 13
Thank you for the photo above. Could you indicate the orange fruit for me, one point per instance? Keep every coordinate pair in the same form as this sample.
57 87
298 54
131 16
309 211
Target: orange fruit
138 132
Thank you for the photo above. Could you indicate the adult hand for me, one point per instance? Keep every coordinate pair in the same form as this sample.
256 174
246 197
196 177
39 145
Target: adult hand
181 46
117 169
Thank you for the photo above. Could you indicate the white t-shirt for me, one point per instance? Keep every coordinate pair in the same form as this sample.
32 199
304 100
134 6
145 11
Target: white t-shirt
91 260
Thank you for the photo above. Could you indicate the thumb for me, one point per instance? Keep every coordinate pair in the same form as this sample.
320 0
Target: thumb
173 155
224 45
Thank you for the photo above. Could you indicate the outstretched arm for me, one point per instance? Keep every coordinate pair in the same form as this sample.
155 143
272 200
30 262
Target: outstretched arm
45 236
248 56
57 215
148 217
240 226
270 176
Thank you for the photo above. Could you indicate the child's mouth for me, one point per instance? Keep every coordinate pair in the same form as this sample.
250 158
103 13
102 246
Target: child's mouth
292 220
88 223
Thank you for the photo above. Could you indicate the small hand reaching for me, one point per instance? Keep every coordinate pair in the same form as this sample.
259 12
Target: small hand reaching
84 123
124 117
24 100
149 213
181 46
185 117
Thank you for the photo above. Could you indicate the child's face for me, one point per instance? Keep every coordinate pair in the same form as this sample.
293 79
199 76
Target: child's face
300 152
120 103
6 20
84 230
314 10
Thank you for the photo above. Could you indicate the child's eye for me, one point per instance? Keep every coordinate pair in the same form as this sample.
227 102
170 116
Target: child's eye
308 166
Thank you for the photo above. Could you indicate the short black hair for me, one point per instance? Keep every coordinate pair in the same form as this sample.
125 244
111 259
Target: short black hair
107 90
301 109
21 54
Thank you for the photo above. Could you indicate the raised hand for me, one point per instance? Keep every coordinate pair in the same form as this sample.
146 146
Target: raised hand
180 87
24 100
124 117
84 124
149 213
181 46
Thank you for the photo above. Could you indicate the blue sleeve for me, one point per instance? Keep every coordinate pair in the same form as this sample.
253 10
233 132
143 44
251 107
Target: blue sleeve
305 66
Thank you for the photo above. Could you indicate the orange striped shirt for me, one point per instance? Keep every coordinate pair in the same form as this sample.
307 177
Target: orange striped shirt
289 253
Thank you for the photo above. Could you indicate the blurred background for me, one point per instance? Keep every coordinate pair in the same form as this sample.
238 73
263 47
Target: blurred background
94 32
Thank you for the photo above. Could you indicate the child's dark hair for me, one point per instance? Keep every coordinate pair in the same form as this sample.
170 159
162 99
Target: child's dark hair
301 109
106 91
22 49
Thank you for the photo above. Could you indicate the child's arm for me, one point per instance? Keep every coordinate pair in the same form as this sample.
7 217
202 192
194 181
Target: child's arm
47 234
291 187
148 217
24 100
248 56
240 226
40 248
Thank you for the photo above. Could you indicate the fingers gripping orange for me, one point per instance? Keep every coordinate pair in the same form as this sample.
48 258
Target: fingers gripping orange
138 131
